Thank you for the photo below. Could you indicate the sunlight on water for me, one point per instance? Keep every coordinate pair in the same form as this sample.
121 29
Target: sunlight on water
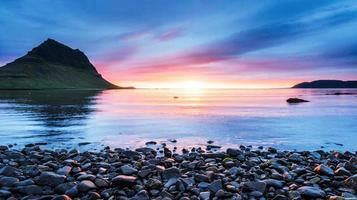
129 118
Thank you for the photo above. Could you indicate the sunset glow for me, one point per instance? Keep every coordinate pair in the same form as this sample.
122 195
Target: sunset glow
180 47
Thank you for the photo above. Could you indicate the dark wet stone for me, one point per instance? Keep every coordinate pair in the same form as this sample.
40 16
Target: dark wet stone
8 171
172 172
8 181
4 193
128 170
205 195
64 170
274 183
223 194
101 183
93 196
31 170
233 152
312 192
296 100
30 189
151 143
62 188
85 186
215 186
123 180
73 192
62 197
86 177
50 179
324 170
254 186
25 182
351 182
3 148
144 173
342 172
83 143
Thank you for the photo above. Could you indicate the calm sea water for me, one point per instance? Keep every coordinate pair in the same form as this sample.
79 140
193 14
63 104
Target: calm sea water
129 118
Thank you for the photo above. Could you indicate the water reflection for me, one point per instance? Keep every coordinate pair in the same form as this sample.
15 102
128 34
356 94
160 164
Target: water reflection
46 113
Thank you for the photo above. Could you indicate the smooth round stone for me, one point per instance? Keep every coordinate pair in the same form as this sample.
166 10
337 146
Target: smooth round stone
324 170
172 172
123 180
64 170
62 197
51 179
30 189
85 186
4 193
205 195
312 192
128 170
8 171
8 181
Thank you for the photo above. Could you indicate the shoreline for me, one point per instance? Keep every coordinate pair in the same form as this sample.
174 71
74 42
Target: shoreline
146 173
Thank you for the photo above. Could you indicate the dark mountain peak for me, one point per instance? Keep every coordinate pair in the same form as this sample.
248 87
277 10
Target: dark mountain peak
52 51
327 84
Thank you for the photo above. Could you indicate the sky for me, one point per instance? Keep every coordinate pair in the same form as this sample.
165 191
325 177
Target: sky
213 44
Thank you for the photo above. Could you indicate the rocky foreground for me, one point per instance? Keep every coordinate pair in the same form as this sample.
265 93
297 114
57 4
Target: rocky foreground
241 173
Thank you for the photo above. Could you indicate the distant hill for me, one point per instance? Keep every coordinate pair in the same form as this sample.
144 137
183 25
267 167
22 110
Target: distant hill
327 84
52 65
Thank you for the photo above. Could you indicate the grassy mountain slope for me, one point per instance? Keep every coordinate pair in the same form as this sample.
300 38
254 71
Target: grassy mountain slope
52 65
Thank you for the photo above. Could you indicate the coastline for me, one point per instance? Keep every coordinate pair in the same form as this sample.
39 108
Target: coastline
146 173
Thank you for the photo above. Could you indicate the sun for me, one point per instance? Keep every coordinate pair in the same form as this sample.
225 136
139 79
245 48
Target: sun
193 85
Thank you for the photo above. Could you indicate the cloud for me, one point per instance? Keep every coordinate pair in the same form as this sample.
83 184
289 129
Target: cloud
170 34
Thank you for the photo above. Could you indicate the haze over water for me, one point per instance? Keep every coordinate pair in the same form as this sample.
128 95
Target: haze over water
129 118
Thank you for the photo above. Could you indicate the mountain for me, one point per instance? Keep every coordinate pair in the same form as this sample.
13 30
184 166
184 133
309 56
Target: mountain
52 65
327 84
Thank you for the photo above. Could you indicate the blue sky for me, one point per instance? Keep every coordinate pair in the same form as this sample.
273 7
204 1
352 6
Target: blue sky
221 43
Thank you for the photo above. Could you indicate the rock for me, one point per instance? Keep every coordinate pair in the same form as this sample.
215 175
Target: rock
62 188
342 172
153 183
234 171
151 143
324 170
51 179
274 183
73 192
31 170
205 195
4 193
315 155
215 186
233 152
123 180
30 189
351 182
142 195
128 170
62 197
172 172
223 194
8 181
170 182
25 182
254 186
85 186
8 171
101 183
311 192
83 143
296 100
64 170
